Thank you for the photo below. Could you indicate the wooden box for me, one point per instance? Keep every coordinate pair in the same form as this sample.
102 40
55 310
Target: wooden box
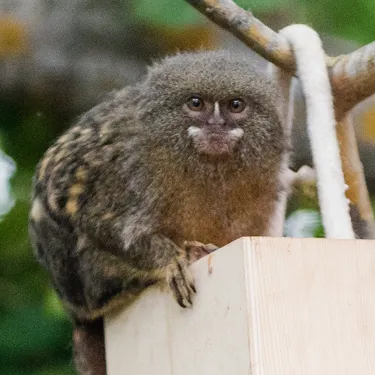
265 306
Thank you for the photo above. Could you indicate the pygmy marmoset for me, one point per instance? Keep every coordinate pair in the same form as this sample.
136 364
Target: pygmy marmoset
192 153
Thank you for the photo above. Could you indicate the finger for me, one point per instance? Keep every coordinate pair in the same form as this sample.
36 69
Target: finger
176 291
186 278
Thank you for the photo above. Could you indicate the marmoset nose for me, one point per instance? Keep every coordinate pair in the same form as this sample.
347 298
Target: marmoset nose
213 120
216 118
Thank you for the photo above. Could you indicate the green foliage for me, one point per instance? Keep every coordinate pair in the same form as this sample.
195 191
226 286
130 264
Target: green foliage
32 325
347 19
180 13
319 233
172 15
35 335
261 5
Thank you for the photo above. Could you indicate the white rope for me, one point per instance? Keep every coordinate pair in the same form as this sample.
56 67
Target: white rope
321 124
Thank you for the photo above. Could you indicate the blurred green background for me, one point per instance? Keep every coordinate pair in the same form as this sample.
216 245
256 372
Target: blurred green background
57 59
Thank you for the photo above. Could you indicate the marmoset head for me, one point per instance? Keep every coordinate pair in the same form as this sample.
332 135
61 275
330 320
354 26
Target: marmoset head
213 104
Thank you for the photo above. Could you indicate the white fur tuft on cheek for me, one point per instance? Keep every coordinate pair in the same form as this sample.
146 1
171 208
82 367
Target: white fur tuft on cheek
194 131
236 134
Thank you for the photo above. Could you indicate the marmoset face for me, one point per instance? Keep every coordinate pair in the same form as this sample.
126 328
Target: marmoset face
211 104
215 128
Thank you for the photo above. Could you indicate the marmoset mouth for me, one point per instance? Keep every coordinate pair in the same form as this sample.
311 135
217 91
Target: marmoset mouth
215 141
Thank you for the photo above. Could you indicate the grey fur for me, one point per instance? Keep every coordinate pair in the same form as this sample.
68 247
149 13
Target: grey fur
120 193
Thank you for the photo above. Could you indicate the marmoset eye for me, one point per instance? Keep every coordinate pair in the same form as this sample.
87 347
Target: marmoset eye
195 103
237 105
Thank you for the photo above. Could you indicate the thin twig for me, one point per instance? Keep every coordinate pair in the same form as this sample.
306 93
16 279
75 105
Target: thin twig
357 192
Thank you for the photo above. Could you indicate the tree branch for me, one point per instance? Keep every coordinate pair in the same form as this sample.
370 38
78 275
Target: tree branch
241 23
352 76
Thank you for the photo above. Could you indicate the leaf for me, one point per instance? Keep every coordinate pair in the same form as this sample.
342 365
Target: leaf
53 305
7 168
166 12
260 5
180 13
30 334
347 19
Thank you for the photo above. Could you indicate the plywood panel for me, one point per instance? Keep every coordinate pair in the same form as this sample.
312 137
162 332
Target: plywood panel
265 306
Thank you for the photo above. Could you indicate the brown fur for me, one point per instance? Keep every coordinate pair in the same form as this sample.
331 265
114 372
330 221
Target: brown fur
120 193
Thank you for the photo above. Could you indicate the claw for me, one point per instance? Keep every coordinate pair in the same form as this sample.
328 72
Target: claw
192 286
181 282
177 293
